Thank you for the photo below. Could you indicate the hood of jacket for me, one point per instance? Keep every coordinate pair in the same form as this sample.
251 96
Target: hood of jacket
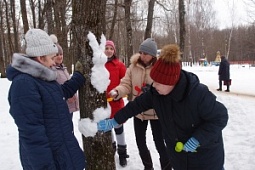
23 64
134 58
136 61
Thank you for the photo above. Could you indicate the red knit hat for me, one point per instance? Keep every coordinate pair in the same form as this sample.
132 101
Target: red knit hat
111 43
167 69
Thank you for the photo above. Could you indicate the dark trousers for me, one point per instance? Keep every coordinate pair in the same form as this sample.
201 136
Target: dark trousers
220 84
140 128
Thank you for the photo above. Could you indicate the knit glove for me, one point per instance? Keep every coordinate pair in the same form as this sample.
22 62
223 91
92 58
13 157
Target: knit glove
191 145
79 67
106 125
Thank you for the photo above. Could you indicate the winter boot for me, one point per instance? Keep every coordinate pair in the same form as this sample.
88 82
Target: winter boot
147 161
227 88
114 147
165 164
122 151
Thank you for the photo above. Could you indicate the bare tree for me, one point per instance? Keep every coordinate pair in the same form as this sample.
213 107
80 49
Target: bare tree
128 29
88 16
182 25
32 6
148 28
113 20
23 8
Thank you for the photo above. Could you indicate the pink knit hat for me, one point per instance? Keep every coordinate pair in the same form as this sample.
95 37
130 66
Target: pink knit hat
110 43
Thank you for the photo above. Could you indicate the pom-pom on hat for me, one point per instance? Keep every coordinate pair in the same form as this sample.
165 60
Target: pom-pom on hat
149 46
111 43
55 40
39 43
167 69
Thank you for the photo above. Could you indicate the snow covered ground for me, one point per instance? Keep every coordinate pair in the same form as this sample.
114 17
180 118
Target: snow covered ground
239 135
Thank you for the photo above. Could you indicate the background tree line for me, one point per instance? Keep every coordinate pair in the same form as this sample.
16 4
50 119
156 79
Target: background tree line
203 38
189 23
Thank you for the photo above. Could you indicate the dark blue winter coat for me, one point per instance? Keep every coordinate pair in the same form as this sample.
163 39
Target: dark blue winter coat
190 110
38 106
224 69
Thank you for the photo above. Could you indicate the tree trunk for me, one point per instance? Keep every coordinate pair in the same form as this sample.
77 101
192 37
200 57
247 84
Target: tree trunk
23 8
49 16
2 44
14 27
113 20
129 51
147 33
32 6
182 26
88 16
8 40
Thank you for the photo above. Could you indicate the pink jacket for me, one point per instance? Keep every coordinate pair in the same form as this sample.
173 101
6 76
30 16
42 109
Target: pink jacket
135 78
63 75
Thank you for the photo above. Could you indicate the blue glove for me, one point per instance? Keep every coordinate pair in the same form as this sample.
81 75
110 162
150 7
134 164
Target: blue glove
191 145
106 125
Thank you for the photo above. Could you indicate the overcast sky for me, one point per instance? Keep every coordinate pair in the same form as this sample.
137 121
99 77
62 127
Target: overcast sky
224 9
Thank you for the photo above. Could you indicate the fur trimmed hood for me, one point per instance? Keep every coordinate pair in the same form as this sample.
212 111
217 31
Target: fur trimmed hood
134 58
26 65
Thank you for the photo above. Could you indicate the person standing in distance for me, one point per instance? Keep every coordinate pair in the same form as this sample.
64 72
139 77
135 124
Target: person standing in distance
38 107
188 113
136 81
224 74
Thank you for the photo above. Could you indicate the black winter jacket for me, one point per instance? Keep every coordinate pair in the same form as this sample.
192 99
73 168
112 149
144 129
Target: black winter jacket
190 110
224 70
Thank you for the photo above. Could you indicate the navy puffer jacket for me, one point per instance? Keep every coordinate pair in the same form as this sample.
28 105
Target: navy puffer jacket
38 106
189 110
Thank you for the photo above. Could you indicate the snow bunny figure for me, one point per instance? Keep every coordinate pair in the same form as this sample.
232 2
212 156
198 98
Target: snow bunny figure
99 72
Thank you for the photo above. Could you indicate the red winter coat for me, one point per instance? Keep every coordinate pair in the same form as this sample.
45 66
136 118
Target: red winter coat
117 71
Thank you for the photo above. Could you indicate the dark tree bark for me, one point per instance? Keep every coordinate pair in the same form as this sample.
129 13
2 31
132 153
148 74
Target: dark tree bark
148 28
24 15
129 45
14 27
8 40
49 16
89 16
113 19
2 62
182 26
32 6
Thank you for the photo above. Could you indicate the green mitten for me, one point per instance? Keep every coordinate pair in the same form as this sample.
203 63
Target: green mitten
79 67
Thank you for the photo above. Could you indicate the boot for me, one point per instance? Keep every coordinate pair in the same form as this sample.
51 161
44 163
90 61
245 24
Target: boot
165 164
122 151
114 147
227 89
147 161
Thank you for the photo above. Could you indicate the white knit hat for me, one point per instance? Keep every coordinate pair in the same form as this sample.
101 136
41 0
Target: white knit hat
39 43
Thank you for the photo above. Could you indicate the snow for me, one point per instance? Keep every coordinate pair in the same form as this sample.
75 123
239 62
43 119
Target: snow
239 135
